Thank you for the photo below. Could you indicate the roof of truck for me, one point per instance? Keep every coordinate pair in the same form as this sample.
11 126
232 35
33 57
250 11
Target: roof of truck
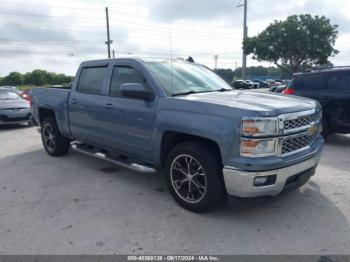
145 60
320 70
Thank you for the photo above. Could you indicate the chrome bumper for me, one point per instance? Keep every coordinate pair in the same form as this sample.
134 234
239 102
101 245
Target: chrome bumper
240 183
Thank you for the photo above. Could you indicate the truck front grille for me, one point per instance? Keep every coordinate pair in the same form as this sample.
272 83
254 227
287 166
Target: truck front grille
298 122
292 144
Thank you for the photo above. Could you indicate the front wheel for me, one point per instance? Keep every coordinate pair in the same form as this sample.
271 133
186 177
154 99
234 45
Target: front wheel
194 176
54 142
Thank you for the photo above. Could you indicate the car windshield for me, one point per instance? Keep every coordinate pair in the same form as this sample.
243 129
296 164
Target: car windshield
180 78
8 95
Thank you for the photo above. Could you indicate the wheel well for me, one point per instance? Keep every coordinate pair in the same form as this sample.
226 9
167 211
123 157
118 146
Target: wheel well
44 113
171 139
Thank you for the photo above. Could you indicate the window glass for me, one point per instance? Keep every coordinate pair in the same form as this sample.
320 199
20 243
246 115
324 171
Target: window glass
313 81
8 95
341 81
178 77
124 75
91 80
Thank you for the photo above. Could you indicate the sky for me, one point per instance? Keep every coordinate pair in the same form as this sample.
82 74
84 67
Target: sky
58 35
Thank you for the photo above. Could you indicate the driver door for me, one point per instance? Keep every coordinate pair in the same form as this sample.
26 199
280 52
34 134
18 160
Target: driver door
128 123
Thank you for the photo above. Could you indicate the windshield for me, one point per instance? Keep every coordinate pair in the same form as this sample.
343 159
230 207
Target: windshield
8 95
179 78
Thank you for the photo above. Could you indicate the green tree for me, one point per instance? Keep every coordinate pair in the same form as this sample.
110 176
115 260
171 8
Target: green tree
226 74
36 77
299 42
13 79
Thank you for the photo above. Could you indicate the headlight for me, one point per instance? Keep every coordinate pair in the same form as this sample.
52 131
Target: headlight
258 147
259 126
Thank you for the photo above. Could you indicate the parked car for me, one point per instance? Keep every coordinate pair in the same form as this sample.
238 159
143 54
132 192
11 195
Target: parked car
25 94
255 85
180 118
13 109
280 88
12 88
272 83
262 84
241 84
331 87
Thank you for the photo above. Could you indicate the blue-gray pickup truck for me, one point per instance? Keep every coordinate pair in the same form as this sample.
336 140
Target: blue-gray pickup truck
183 120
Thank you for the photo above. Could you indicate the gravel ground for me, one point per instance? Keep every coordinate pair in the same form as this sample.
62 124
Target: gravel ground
80 205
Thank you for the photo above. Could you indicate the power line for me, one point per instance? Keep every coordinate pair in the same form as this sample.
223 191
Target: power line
121 13
141 32
156 5
159 28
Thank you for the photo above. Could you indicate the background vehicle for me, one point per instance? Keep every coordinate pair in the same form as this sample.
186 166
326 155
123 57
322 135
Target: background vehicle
12 88
255 85
241 84
279 88
25 94
262 84
208 140
331 87
13 109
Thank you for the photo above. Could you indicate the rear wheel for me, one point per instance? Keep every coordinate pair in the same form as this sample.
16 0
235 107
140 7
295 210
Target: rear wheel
54 142
194 176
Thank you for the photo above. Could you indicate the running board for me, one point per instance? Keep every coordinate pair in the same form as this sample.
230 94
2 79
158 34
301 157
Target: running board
132 166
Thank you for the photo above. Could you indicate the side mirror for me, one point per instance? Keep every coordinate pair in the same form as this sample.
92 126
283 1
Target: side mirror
135 90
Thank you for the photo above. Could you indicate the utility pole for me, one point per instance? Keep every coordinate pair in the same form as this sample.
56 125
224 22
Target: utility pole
245 34
109 41
113 53
216 61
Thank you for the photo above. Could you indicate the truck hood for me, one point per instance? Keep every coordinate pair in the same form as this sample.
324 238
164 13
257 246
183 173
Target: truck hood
267 104
15 103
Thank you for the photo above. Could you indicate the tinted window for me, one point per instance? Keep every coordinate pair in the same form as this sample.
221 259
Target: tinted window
313 81
123 75
341 81
91 80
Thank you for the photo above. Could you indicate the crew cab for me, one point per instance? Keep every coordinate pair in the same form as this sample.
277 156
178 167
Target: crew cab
181 120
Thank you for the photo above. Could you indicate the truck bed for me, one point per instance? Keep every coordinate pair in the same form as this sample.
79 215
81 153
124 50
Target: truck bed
55 99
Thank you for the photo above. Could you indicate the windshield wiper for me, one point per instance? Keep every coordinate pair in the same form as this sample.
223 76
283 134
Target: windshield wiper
184 93
205 91
222 90
191 92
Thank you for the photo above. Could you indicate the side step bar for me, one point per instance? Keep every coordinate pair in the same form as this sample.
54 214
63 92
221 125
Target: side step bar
132 166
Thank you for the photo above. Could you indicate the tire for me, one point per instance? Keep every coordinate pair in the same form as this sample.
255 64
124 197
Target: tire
326 129
54 142
205 189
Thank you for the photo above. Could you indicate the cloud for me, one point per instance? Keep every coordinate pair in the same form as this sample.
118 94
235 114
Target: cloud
57 35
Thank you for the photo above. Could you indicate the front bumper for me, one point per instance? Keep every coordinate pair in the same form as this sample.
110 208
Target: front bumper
240 183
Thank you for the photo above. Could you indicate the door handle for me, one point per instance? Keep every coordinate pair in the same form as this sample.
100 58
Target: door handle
74 101
108 106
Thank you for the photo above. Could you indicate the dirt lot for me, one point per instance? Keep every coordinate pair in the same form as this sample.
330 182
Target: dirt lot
77 204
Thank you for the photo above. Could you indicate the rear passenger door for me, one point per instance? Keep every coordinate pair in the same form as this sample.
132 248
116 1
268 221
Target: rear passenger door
338 106
313 86
128 123
84 104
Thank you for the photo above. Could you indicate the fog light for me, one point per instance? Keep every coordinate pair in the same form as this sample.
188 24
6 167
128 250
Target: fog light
260 180
264 180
